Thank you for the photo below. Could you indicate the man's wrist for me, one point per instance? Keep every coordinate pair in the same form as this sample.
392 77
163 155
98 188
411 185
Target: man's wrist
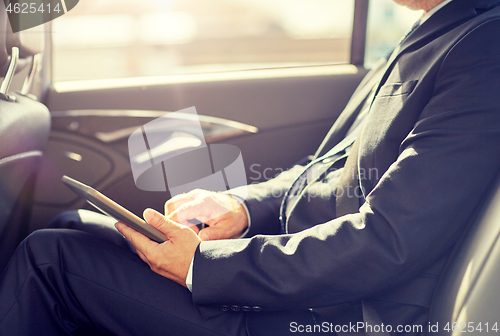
241 201
189 277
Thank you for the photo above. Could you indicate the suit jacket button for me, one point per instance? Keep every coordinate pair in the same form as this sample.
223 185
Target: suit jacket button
235 308
256 309
246 308
224 308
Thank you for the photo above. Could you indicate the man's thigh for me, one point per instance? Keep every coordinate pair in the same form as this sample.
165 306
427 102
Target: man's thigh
92 222
79 281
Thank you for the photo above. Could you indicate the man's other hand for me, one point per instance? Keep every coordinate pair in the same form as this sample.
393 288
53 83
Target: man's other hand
171 258
225 216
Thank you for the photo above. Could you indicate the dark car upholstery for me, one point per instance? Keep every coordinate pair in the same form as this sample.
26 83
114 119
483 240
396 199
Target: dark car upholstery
24 129
467 299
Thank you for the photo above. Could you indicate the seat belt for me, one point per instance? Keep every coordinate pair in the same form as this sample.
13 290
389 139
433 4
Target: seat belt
347 202
372 318
348 189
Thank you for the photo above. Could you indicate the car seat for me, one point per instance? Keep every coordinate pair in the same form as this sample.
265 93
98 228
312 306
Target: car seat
24 129
467 299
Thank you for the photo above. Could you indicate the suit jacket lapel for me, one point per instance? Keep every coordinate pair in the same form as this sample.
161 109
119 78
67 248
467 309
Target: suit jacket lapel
339 129
448 17
454 13
451 15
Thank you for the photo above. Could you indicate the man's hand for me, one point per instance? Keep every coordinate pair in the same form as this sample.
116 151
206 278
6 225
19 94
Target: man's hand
224 214
170 259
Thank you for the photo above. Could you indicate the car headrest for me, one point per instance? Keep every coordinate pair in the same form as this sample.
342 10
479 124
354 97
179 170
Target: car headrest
4 55
17 50
30 42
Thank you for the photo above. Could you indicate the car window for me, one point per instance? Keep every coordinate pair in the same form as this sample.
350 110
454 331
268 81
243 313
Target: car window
387 23
102 39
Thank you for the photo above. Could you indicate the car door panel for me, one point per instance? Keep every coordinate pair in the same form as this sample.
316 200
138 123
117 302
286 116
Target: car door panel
263 102
292 114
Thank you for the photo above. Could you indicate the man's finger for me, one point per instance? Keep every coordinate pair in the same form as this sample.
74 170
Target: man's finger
201 211
175 202
140 242
213 233
163 224
187 211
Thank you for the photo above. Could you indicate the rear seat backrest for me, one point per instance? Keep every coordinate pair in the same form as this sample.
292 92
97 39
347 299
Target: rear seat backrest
4 56
468 298
24 129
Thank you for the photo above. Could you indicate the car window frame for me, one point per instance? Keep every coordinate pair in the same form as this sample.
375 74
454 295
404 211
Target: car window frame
357 48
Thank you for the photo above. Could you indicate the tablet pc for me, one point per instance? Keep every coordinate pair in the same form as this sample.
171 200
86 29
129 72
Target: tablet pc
113 209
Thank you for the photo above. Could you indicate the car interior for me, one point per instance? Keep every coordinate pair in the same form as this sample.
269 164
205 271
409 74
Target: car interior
81 128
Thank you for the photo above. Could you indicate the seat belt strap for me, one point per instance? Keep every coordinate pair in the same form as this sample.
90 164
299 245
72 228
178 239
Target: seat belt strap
348 192
372 321
347 202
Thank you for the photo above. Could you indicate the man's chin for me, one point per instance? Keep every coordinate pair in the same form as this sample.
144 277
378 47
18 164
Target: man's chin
417 4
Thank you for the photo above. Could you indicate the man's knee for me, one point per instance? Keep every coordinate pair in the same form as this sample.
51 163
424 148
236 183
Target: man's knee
83 220
44 246
41 238
65 219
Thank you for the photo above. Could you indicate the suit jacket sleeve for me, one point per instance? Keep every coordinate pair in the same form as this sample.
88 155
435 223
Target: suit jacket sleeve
263 201
415 212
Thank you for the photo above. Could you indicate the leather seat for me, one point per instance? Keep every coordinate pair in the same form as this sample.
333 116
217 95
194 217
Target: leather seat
24 129
467 299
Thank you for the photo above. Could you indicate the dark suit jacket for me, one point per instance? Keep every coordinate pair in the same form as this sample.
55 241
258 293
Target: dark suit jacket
431 141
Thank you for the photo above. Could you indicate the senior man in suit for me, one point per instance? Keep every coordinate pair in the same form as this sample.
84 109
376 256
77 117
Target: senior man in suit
372 217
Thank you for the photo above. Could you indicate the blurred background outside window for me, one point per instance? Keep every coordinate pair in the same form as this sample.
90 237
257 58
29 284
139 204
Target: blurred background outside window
102 39
387 23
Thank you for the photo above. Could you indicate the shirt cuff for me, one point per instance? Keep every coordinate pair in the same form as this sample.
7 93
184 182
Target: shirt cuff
248 216
189 278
